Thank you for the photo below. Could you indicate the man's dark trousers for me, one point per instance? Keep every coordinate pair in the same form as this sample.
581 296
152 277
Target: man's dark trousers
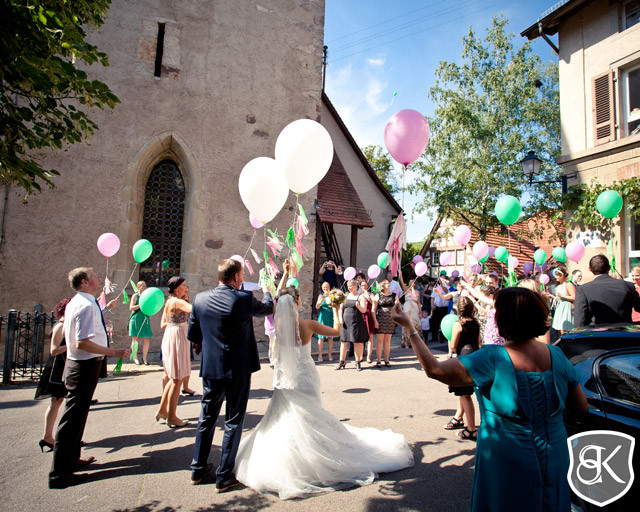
436 318
214 391
80 379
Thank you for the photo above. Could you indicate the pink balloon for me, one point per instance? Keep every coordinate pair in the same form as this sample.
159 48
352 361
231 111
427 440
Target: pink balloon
516 262
462 235
446 258
349 273
237 257
417 258
421 268
108 244
373 271
406 136
544 278
255 223
480 249
575 251
492 251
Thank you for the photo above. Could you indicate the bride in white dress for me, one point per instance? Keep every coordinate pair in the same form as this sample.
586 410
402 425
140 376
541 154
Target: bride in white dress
299 448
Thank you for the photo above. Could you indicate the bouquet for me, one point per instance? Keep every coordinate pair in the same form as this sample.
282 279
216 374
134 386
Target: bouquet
336 298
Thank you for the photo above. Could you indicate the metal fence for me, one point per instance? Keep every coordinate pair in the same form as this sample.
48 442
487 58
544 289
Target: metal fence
25 338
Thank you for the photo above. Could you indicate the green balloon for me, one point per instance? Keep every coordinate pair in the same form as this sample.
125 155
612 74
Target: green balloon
501 254
609 204
165 264
383 259
540 256
447 325
142 249
485 258
151 301
559 254
508 210
292 282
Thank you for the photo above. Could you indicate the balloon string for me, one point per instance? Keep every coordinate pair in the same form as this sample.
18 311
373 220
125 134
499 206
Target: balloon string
403 175
125 284
250 244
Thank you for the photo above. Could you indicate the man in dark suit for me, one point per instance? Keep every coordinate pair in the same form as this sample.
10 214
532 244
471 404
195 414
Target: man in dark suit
605 299
221 325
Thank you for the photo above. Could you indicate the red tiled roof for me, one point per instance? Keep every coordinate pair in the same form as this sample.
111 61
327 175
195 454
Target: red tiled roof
338 201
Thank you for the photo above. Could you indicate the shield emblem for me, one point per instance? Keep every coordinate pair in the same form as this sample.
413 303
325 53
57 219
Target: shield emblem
600 467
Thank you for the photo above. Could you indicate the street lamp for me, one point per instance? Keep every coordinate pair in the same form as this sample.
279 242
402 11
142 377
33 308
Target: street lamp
531 166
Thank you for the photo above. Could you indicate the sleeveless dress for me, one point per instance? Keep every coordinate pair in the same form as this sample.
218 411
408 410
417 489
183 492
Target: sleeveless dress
354 329
50 383
176 356
383 313
299 448
467 344
563 317
522 457
139 326
368 317
325 317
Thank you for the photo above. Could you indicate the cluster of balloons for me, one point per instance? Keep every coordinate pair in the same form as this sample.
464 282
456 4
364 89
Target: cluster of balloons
406 136
303 155
373 271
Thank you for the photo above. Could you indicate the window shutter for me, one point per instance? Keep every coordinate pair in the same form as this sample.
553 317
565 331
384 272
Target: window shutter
603 108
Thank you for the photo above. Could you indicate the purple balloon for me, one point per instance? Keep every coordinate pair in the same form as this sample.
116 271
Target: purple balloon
406 136
527 267
455 274
476 269
541 268
492 251
417 258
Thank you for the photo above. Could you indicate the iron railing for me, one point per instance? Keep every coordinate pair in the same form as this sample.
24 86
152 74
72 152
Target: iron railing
26 335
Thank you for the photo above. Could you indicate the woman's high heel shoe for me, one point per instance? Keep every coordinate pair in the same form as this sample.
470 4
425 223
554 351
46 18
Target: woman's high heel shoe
160 417
341 365
43 443
171 424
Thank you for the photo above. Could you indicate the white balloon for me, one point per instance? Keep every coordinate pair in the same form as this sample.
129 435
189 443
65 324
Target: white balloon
305 152
262 188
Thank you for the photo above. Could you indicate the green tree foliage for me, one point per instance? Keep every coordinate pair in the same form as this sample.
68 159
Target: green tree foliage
381 163
500 102
44 96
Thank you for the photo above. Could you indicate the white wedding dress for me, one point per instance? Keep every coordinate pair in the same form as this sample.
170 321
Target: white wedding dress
299 448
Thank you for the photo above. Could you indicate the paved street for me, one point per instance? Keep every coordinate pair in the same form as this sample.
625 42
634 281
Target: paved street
143 465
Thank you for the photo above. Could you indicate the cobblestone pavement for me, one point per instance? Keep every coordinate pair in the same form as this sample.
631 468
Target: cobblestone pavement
142 465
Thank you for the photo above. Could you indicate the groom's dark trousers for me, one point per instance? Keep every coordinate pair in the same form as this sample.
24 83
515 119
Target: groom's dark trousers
221 323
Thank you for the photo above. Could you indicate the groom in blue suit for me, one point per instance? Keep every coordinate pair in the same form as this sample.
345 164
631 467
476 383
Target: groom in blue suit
221 325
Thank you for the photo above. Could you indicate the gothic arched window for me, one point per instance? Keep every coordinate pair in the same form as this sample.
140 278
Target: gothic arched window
162 223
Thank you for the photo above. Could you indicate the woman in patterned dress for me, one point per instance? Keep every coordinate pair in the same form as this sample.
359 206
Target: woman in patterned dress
384 301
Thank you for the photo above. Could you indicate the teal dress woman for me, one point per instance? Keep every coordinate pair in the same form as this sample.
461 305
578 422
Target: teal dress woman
521 428
325 317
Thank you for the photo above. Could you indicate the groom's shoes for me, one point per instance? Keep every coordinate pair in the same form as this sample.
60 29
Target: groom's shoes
199 477
227 484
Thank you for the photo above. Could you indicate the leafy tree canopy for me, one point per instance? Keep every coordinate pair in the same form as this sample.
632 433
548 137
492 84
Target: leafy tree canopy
44 96
381 163
500 102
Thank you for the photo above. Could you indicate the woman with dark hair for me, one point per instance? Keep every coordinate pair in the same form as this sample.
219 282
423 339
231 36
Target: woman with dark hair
175 350
465 339
50 384
523 387
565 295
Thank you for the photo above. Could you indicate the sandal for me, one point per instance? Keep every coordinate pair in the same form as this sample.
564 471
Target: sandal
471 435
387 364
378 364
454 423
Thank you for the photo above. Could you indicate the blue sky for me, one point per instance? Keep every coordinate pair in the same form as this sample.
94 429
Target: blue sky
380 48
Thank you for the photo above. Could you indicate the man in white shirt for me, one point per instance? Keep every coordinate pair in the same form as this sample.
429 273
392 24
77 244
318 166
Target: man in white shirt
87 344
394 285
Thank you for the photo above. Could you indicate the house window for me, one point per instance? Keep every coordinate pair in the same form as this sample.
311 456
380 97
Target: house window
164 199
459 257
631 13
631 99
435 259
633 242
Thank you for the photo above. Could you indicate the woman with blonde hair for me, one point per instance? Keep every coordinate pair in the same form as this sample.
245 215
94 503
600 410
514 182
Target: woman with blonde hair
354 328
139 326
565 296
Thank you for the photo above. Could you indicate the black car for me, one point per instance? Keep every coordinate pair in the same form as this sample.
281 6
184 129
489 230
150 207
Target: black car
607 358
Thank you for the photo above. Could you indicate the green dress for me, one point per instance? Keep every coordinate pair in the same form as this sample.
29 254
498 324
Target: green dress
325 317
139 326
522 458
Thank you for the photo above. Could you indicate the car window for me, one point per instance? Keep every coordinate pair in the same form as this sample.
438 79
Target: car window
620 377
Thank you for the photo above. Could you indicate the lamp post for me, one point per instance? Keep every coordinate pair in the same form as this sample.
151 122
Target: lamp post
531 166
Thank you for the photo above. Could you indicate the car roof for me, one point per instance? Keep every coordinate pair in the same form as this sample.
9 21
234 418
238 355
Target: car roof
587 342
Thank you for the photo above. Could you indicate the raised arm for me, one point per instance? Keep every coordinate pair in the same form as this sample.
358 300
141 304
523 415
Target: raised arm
285 275
402 285
451 371
478 295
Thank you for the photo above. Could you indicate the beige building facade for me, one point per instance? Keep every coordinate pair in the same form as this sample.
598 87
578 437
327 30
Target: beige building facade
599 66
